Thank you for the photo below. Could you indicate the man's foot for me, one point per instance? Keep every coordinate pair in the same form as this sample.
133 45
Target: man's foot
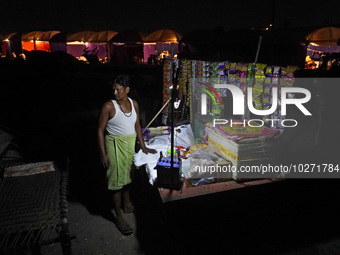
129 209
123 226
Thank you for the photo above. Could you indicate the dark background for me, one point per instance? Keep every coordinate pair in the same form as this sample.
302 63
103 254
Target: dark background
52 109
148 16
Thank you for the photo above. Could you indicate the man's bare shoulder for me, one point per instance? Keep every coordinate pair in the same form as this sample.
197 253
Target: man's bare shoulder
108 103
134 102
107 106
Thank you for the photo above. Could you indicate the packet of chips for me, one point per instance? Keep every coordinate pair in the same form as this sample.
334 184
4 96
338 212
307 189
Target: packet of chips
259 73
221 68
276 71
269 71
232 78
250 70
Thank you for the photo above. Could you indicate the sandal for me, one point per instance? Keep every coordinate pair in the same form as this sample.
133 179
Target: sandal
125 229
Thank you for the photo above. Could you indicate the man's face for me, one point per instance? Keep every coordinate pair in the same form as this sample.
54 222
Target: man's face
119 91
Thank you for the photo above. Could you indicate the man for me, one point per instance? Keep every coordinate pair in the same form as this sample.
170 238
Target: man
118 127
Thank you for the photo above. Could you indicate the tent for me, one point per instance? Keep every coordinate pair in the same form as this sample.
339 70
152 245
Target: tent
37 40
327 36
322 43
58 42
76 42
164 35
129 36
82 36
11 43
99 44
161 41
102 36
5 39
127 47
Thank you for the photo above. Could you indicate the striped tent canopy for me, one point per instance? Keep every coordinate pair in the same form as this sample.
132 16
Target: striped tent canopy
129 36
327 36
102 36
82 36
9 36
38 36
163 36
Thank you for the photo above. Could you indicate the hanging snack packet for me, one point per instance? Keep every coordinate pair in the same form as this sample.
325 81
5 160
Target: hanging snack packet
238 68
250 70
243 87
266 106
276 71
232 78
257 92
259 73
244 67
267 87
268 80
284 72
257 105
221 69
232 68
227 65
267 99
269 71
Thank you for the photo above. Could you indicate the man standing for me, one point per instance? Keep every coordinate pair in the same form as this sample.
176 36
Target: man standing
117 130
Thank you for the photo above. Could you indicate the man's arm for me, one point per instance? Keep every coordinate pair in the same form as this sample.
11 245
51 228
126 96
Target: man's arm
103 118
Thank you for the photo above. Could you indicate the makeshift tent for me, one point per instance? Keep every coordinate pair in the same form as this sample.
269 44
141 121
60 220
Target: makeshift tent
129 36
82 36
98 44
11 43
76 42
102 36
321 44
163 35
163 40
327 36
58 42
6 43
127 47
37 40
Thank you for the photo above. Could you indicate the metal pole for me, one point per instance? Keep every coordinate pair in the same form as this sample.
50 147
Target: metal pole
172 108
258 49
166 103
247 113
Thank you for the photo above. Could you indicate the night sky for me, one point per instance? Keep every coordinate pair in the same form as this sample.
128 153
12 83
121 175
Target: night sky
148 16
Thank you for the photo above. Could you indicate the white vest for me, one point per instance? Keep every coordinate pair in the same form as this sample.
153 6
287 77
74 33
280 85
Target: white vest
120 124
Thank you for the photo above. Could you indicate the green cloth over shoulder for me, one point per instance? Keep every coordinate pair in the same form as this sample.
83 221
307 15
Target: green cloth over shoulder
120 150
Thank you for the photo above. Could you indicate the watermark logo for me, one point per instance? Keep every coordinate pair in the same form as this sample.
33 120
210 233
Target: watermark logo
238 100
204 97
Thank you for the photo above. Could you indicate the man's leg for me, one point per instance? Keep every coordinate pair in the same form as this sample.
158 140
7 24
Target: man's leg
122 225
128 206
117 201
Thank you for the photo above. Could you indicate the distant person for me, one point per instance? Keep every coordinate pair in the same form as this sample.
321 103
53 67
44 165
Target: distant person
118 127
150 59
